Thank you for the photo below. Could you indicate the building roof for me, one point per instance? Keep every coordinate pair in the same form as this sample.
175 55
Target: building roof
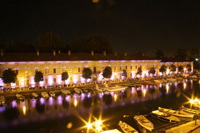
173 59
11 57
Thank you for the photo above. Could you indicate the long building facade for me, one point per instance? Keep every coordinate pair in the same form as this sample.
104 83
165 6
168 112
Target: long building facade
53 64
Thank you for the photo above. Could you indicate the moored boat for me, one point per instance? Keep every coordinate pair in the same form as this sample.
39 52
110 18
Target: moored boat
188 110
171 79
65 92
176 112
158 81
144 122
2 100
77 90
35 95
52 94
20 97
126 128
164 116
45 94
149 82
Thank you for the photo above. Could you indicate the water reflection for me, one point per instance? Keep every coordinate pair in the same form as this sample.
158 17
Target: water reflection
60 106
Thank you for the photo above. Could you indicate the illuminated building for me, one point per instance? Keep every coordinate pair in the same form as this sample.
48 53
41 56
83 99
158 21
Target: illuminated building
52 66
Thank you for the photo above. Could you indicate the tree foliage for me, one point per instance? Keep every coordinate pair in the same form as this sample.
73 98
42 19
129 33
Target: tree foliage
139 71
86 73
180 68
47 42
9 76
107 72
181 53
64 76
95 43
163 68
38 76
159 54
172 68
196 66
189 68
152 70
124 73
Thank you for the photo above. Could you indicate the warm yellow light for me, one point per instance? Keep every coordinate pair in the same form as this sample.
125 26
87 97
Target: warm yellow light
196 100
99 122
99 128
75 103
24 110
95 1
191 101
89 125
199 102
144 92
115 97
184 85
115 74
167 88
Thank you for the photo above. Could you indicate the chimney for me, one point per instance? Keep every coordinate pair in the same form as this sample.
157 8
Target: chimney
125 54
92 53
38 52
1 52
69 52
59 51
54 52
115 53
104 53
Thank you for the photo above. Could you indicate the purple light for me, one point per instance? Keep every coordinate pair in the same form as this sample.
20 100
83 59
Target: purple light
67 98
2 109
51 101
42 101
132 90
100 95
14 104
89 95
59 100
33 104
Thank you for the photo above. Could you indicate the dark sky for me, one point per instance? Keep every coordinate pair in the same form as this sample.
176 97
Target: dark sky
131 25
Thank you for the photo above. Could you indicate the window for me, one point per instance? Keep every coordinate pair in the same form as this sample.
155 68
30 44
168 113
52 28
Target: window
27 73
126 67
54 80
114 68
79 69
131 67
63 69
135 66
27 82
46 71
94 70
120 68
46 81
54 70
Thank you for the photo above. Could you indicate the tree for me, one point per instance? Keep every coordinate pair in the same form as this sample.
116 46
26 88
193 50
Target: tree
152 70
181 53
159 54
78 44
124 73
38 77
47 42
172 68
189 68
86 73
197 66
180 69
107 72
139 71
9 76
64 76
163 69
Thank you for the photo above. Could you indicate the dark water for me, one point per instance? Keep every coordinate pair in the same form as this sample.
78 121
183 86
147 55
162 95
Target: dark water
68 114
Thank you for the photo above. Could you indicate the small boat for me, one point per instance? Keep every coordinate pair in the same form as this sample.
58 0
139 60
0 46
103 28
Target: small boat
52 94
20 97
85 90
188 110
45 94
138 85
77 90
164 116
2 100
179 78
176 112
144 122
164 80
171 79
126 128
65 92
35 95
149 82
158 81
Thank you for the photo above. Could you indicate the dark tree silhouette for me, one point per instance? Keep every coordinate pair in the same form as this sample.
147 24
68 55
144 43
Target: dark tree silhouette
107 72
180 68
159 54
189 68
78 44
38 77
9 76
86 73
152 70
163 69
172 68
124 73
181 53
139 71
64 76
47 42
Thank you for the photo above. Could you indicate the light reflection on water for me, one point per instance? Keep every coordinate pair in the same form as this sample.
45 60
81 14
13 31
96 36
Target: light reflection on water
60 106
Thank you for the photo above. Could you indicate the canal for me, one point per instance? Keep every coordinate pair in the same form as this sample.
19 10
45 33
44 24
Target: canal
69 114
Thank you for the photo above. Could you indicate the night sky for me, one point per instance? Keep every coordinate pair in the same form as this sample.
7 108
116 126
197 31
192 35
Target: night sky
131 25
